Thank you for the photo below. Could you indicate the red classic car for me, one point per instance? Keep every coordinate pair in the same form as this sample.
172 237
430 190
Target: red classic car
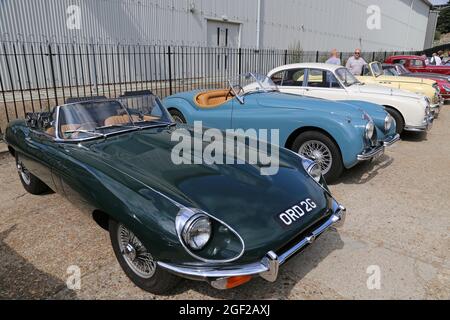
417 64
442 81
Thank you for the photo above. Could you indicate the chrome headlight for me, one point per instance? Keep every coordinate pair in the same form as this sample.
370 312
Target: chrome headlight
370 129
447 88
388 121
197 231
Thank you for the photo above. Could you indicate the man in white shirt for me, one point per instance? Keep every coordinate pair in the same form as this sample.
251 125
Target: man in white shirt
436 60
334 58
356 63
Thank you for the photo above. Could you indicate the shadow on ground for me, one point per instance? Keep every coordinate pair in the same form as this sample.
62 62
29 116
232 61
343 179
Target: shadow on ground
414 136
19 279
290 274
365 171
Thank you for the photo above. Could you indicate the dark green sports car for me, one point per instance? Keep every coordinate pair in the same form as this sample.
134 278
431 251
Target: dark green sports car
222 223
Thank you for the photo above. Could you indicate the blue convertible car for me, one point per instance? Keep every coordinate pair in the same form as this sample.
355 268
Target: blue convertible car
336 135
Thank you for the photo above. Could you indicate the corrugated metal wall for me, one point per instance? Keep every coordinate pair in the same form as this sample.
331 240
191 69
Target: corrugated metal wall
342 24
309 24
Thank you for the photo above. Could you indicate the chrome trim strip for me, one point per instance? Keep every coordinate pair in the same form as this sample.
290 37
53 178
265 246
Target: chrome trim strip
267 268
393 140
371 154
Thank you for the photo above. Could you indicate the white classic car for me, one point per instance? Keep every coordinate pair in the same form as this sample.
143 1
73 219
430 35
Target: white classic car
411 111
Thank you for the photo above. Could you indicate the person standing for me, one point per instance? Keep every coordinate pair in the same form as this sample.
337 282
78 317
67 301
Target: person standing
435 61
334 58
356 63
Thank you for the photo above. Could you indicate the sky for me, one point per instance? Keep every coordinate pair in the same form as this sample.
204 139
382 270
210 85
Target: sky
438 1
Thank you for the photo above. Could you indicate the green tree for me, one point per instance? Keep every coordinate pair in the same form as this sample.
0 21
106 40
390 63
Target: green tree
443 25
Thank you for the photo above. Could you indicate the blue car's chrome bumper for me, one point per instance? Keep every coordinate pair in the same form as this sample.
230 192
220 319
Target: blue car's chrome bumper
390 141
378 151
267 268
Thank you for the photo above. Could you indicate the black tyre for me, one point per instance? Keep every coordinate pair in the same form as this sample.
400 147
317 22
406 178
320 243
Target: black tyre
137 262
400 123
29 181
319 147
177 116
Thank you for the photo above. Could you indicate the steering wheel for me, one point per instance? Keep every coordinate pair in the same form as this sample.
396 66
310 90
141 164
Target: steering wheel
231 92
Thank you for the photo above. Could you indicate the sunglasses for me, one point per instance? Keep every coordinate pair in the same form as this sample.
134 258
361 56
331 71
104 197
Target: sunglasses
357 52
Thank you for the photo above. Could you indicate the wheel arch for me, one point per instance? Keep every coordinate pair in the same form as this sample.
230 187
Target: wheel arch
12 151
101 218
395 109
299 131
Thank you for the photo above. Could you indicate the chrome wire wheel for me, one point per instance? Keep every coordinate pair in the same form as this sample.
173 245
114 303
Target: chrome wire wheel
135 254
177 119
24 173
319 152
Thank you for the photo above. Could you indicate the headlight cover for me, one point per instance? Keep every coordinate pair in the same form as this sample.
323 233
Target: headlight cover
207 238
388 121
369 131
314 170
197 231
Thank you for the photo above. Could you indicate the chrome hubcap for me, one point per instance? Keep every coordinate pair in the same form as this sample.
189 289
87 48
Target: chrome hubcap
135 254
24 173
318 152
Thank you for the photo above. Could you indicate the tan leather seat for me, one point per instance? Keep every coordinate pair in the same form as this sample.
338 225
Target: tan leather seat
212 99
123 119
146 118
64 128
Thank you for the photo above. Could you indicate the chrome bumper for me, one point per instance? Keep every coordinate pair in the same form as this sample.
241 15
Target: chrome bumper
267 268
436 109
391 141
427 125
374 152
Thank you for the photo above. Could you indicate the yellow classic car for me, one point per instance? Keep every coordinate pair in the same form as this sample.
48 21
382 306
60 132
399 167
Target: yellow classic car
373 74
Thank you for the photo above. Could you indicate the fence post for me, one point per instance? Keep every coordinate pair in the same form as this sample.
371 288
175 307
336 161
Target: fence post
317 56
285 56
240 61
373 56
385 55
52 70
170 70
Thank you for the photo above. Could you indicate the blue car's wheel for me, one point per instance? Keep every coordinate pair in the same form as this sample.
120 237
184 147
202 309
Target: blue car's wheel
320 148
177 116
137 261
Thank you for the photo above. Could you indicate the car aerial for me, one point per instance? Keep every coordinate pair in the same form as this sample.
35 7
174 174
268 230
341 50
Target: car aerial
443 81
411 111
373 73
418 64
219 223
337 135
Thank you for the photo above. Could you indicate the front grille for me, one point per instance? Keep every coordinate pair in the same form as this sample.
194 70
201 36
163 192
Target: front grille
374 140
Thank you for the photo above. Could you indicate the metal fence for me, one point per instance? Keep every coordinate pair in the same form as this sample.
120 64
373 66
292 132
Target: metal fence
38 76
